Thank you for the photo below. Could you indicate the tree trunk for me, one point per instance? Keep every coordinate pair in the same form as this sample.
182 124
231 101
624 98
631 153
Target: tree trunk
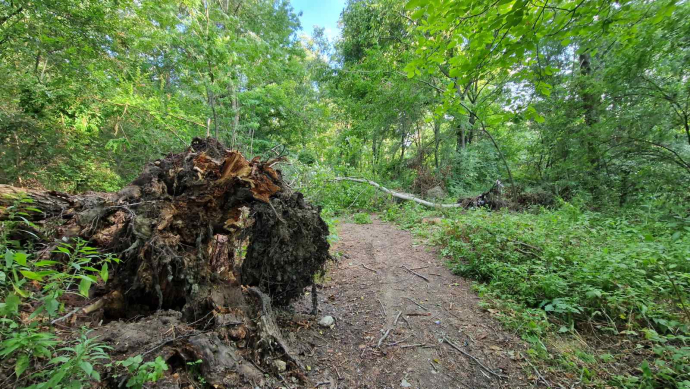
590 102
236 121
437 139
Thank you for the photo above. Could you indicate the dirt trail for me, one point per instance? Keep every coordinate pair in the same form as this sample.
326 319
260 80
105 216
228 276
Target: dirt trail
369 287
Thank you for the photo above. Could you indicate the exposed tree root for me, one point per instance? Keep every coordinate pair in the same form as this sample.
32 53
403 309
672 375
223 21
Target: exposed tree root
181 230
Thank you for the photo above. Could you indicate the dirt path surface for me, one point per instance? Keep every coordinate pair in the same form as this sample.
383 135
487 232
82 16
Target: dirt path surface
369 288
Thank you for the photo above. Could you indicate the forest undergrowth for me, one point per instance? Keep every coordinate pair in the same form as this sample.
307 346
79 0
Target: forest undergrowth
600 297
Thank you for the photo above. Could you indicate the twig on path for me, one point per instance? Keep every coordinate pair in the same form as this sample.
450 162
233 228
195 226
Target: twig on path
382 307
536 371
416 303
451 313
396 319
368 268
398 341
419 268
413 345
418 314
383 338
465 353
406 322
415 273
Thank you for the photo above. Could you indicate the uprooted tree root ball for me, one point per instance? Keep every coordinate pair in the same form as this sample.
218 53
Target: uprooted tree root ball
180 230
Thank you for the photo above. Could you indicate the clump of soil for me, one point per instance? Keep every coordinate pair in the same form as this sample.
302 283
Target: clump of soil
282 257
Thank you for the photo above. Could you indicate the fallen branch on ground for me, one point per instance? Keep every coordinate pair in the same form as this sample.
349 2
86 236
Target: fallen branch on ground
368 268
468 355
398 341
416 303
382 308
415 273
396 318
537 372
413 345
85 310
383 338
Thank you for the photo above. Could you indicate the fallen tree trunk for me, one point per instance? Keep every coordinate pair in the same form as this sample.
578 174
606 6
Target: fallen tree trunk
181 230
493 198
399 195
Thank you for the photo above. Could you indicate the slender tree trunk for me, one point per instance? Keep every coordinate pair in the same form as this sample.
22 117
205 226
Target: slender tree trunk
500 153
373 153
461 135
687 128
473 121
437 139
209 88
402 150
589 103
588 98
236 122
403 136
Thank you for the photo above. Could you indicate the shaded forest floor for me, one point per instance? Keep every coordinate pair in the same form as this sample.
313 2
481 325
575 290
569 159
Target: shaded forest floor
366 290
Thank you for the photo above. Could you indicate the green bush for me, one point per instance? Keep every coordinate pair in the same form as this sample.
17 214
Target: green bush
306 157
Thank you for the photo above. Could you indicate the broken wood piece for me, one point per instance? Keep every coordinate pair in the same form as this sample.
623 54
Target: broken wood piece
382 307
268 329
413 345
418 314
383 338
85 310
368 268
396 319
465 353
415 273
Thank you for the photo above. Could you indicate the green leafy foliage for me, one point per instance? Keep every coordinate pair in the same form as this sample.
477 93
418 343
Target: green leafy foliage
74 365
33 287
141 372
362 218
